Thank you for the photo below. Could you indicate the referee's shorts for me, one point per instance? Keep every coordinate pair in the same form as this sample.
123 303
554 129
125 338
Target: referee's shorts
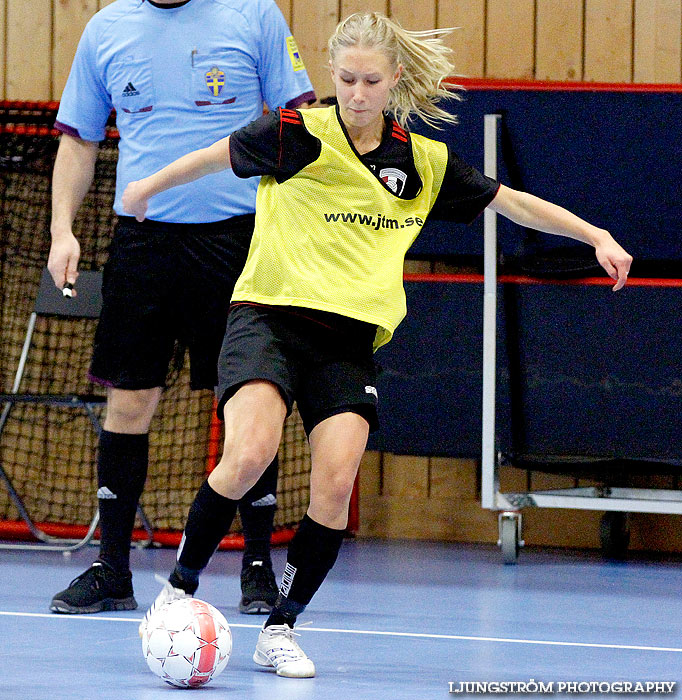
322 361
167 285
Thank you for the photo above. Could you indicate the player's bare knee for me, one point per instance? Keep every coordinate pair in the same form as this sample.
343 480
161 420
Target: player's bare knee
240 468
252 460
336 488
131 411
329 511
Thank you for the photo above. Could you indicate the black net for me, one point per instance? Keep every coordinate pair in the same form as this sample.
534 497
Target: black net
49 451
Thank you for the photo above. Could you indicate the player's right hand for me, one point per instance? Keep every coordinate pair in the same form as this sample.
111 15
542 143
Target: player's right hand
62 262
134 202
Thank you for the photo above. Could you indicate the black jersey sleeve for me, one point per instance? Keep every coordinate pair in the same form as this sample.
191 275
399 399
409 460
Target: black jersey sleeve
277 144
465 192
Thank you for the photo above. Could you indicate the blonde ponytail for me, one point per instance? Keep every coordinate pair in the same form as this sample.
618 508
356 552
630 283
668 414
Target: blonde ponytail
424 57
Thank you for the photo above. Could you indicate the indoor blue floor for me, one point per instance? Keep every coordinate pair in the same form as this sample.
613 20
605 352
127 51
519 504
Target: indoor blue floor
393 620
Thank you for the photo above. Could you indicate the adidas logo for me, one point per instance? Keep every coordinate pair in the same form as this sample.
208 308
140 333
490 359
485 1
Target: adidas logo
130 91
268 500
104 493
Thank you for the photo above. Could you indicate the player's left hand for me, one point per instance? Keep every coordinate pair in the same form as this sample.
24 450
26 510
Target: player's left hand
615 260
135 201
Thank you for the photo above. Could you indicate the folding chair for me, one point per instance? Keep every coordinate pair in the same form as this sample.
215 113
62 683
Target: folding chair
50 302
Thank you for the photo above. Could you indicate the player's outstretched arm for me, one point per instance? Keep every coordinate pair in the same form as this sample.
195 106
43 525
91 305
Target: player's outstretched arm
189 167
530 211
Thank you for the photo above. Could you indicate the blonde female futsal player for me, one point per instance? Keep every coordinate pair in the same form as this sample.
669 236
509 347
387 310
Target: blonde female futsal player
345 191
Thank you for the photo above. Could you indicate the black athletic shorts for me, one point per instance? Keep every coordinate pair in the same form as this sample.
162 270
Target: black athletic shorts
164 284
322 361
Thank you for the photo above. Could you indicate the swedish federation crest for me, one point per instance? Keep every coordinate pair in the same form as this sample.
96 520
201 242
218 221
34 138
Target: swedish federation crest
215 80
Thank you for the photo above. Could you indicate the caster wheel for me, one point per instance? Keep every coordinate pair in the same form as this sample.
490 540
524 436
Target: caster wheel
510 537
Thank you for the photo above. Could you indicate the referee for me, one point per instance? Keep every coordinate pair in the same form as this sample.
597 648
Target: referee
178 75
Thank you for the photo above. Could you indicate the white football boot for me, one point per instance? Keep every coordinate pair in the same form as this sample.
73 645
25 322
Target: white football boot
167 594
277 648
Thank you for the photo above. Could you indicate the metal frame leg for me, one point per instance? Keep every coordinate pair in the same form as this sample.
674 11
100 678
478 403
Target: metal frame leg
59 544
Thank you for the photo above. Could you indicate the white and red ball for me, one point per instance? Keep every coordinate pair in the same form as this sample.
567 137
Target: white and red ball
187 643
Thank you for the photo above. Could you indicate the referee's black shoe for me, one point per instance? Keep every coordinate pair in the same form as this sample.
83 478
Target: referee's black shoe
98 589
259 588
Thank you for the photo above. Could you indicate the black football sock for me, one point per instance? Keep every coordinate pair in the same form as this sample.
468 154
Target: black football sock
122 462
209 520
287 616
312 553
257 511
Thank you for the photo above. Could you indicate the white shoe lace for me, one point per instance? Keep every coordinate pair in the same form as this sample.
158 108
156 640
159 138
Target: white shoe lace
167 594
293 652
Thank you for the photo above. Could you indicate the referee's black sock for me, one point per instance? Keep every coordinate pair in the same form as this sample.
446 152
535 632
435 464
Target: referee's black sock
312 553
209 520
257 511
122 462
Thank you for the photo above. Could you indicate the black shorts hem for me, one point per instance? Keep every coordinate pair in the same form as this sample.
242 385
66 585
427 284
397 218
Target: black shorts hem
129 384
364 410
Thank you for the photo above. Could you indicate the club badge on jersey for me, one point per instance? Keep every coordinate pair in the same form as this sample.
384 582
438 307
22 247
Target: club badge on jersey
394 179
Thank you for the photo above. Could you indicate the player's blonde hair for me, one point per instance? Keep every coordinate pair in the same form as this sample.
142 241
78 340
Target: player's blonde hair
424 57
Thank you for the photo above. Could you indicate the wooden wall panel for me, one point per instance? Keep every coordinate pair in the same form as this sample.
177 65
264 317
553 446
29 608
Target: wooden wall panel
468 39
593 40
453 478
516 38
369 474
28 53
70 18
414 15
313 24
405 477
510 40
432 519
608 40
3 62
559 40
348 7
657 41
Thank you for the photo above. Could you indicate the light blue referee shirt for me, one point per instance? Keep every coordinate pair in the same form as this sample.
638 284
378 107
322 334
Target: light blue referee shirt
180 78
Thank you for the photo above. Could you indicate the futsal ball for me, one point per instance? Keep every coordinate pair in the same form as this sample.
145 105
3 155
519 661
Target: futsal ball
187 642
